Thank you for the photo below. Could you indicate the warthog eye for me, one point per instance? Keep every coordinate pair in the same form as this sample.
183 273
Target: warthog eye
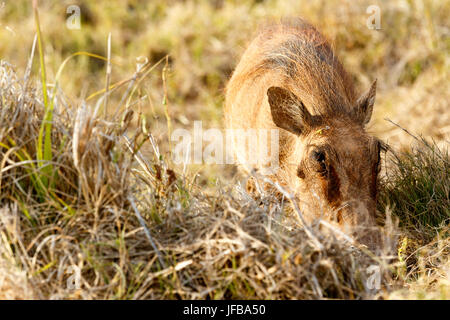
319 157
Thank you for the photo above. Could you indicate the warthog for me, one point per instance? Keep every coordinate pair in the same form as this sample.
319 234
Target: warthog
290 79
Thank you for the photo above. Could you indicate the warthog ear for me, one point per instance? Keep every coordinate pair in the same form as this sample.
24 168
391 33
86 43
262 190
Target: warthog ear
364 105
288 112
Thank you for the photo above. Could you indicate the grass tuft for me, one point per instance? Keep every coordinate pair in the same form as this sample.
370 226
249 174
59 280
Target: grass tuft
416 187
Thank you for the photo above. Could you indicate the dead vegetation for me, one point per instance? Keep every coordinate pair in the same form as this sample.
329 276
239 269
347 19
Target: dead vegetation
142 231
135 228
91 206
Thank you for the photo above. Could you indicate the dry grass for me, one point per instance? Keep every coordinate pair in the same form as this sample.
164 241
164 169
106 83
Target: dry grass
143 231
110 203
136 229
408 56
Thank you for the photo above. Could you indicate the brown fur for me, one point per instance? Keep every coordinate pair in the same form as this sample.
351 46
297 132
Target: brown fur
289 78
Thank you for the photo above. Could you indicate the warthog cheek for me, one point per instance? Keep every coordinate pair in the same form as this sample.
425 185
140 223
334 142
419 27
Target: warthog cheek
331 187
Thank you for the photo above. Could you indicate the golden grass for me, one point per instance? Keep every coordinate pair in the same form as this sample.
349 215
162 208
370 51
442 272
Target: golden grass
115 208
143 231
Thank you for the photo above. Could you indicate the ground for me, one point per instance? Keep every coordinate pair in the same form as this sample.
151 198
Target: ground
135 225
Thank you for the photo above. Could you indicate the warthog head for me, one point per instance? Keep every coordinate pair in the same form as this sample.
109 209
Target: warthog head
332 164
